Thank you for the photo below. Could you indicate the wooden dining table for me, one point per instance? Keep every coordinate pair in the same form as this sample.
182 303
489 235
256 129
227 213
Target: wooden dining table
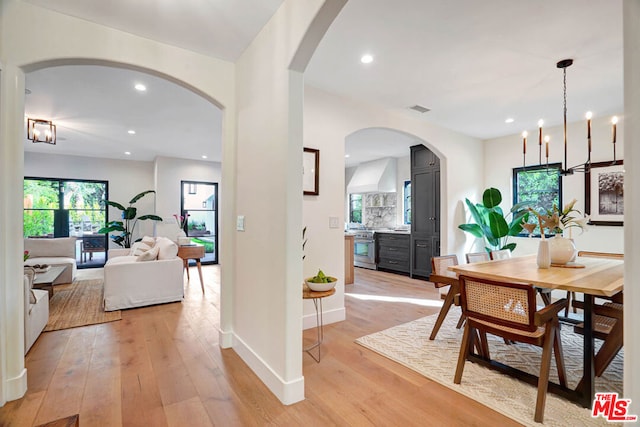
593 277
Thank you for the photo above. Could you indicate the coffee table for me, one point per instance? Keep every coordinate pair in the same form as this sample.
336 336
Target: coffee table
45 280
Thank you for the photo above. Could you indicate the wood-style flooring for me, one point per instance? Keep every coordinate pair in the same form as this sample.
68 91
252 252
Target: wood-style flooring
162 366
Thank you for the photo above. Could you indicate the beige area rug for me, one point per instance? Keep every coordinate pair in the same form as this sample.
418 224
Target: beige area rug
79 303
409 345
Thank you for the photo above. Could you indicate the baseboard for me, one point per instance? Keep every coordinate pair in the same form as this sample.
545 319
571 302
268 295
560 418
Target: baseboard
225 339
16 387
287 392
328 317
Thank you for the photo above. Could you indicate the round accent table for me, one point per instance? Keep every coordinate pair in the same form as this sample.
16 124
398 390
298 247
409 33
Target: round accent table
317 302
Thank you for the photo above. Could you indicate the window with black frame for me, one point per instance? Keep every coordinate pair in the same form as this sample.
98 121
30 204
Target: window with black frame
538 186
355 208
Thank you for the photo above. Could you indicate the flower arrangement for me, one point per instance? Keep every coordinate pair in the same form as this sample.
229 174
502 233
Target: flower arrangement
26 255
181 220
556 220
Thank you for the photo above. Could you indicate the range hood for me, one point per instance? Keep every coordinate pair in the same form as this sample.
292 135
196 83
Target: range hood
377 176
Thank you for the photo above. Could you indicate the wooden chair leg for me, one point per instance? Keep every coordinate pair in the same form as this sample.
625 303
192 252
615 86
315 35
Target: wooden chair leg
460 321
557 351
545 367
467 336
446 305
610 347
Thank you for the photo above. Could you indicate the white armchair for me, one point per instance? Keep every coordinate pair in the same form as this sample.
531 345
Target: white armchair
130 283
36 310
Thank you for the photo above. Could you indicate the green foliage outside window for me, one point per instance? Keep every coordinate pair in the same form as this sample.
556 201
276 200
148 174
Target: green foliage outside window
539 187
355 208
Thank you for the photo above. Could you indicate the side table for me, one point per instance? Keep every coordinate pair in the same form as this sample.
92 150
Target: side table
195 252
317 302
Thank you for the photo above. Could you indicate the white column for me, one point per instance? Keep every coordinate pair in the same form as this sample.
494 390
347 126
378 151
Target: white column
14 375
631 37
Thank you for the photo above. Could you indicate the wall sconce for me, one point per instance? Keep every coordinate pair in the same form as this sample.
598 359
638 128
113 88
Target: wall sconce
41 131
193 188
204 204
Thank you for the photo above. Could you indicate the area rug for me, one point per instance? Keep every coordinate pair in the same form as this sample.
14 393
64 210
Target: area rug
409 345
78 304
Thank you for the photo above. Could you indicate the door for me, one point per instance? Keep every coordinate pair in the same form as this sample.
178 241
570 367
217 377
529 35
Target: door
199 200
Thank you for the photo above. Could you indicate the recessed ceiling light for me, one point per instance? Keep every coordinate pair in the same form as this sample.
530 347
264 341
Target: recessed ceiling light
204 157
131 132
509 120
366 59
128 153
346 156
140 87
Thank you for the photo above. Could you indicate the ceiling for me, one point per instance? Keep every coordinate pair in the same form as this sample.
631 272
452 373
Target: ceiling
473 64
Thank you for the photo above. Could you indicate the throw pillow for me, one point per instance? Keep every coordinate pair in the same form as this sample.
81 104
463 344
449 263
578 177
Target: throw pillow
138 248
168 248
149 255
151 241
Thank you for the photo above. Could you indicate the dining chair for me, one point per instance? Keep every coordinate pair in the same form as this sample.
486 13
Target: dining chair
571 296
477 257
607 327
501 254
508 310
442 277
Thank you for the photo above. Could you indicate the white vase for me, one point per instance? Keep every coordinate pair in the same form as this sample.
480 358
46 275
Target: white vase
562 250
544 256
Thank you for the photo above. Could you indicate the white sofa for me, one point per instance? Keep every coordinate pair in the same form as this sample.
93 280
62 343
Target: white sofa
56 251
130 282
36 310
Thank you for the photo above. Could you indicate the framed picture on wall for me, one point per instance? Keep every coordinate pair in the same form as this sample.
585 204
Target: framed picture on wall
604 193
310 171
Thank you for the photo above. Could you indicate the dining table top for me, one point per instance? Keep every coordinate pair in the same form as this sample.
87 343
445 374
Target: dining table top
589 275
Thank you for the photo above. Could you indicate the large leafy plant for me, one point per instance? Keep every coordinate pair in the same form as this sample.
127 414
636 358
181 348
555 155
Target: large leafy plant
129 221
491 223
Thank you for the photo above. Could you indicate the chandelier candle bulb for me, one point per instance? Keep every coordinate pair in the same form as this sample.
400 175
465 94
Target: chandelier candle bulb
614 121
546 141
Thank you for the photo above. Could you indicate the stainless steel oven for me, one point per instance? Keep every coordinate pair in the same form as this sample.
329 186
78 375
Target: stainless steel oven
364 250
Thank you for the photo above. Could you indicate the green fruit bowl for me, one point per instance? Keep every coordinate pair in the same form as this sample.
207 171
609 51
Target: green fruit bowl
321 287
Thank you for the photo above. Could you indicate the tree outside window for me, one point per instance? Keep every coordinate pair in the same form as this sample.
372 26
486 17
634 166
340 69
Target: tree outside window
538 186
355 208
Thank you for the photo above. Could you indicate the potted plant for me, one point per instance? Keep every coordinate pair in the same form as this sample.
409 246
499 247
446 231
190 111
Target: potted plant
129 220
490 222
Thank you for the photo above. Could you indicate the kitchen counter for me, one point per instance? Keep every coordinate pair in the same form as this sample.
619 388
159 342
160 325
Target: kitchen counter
393 231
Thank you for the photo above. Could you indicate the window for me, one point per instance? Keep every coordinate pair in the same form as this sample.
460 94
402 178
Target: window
406 203
355 208
58 208
538 186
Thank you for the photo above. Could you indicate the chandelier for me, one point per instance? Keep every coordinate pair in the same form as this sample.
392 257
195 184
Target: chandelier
39 130
566 170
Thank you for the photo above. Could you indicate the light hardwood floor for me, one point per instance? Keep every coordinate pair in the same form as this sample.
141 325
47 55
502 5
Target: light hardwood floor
162 366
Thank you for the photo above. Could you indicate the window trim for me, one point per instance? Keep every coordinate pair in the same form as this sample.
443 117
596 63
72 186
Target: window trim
406 203
351 208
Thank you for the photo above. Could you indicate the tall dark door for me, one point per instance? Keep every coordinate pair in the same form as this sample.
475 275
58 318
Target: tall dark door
425 209
200 203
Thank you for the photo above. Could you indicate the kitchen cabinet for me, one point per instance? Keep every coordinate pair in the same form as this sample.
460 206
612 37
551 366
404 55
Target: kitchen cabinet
425 209
393 252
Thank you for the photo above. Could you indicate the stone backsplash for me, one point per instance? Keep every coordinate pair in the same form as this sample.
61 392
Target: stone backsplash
379 210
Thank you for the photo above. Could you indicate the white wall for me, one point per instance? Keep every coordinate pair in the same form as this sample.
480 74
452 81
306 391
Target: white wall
457 152
168 172
503 154
631 13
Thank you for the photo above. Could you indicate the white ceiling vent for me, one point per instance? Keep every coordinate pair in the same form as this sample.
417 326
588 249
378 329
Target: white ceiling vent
419 108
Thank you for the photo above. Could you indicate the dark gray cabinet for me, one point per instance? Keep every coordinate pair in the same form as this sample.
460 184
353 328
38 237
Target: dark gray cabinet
393 252
425 209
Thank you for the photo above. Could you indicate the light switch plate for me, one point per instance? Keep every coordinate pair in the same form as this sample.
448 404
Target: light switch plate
334 222
240 223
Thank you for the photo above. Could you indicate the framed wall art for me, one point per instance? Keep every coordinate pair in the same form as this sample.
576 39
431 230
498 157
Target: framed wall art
310 171
604 193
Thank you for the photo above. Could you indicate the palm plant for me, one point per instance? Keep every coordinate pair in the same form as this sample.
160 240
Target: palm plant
129 221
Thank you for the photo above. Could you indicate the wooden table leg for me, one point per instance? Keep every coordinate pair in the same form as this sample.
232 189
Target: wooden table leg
185 263
200 273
